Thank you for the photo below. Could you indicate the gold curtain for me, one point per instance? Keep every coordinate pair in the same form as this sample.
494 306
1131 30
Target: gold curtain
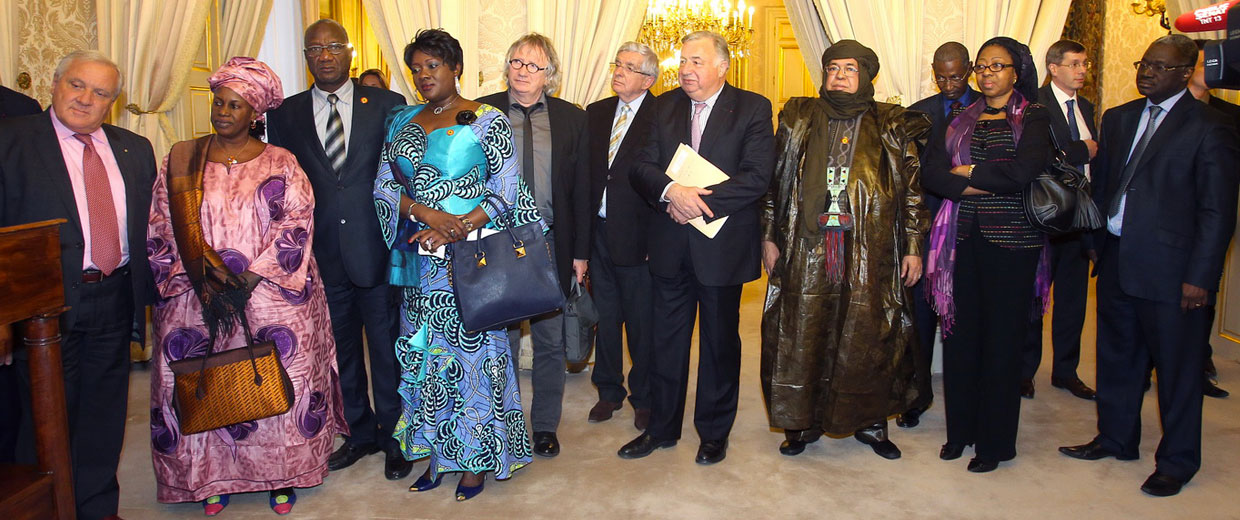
586 36
242 24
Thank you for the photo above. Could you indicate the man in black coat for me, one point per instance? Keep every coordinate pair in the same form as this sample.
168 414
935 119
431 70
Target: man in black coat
66 164
695 275
1067 64
551 138
1167 181
619 273
951 67
352 255
14 103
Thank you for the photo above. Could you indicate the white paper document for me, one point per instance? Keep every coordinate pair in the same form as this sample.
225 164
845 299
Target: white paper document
441 251
692 170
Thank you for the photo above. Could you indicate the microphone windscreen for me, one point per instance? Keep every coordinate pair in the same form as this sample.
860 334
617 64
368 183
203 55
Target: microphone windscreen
1209 18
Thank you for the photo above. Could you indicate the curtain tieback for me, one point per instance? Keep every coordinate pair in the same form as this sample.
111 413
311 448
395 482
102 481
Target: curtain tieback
136 110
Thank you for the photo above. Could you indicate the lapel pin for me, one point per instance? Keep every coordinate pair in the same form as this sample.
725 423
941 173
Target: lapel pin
364 100
450 132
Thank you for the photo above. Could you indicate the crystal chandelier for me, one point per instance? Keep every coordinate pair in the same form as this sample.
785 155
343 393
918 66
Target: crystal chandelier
667 21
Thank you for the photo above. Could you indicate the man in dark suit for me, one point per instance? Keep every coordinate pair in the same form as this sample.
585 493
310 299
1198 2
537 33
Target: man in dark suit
1198 88
1072 126
1167 180
12 104
66 164
551 138
951 68
693 274
620 275
336 131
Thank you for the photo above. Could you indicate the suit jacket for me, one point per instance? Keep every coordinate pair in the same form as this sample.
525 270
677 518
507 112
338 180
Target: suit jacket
933 106
1231 110
347 241
14 103
738 139
570 181
627 213
1181 203
35 186
1076 151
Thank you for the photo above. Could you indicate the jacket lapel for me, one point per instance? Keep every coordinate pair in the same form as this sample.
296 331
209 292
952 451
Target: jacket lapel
54 165
721 118
644 113
363 113
129 168
303 118
1170 124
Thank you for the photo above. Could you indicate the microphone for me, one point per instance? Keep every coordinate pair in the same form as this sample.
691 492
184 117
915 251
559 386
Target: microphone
1209 18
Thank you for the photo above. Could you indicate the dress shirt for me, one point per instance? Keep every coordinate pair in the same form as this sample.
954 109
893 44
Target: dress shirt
1115 225
1061 98
72 150
541 123
323 109
634 106
705 115
965 100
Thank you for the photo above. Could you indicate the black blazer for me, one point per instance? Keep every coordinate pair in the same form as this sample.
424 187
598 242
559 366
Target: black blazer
738 139
35 186
628 214
1076 151
933 107
570 181
347 241
14 103
1181 206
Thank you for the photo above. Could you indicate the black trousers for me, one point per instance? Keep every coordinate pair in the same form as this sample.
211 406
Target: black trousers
95 355
373 311
993 296
924 321
1070 269
1131 332
622 294
676 301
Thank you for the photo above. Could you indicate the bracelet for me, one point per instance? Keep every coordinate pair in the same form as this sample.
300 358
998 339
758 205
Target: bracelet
970 172
409 212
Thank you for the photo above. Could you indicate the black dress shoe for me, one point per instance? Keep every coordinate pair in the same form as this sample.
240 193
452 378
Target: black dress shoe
546 444
1026 388
347 454
1091 450
1161 485
643 445
792 447
711 452
1209 389
884 447
980 465
1211 371
952 450
910 418
1074 385
395 467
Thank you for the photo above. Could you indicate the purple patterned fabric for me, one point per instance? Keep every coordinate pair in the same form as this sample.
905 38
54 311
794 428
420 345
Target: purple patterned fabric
297 297
236 262
159 254
183 343
163 437
240 431
291 246
311 414
271 194
284 338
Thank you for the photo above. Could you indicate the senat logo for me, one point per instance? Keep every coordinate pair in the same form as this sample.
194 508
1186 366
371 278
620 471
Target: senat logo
1212 13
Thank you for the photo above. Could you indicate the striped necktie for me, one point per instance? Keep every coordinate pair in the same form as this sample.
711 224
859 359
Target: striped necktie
614 144
334 144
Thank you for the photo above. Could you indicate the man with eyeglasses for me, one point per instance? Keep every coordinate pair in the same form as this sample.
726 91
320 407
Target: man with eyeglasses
619 273
1166 178
335 129
551 138
951 67
1072 125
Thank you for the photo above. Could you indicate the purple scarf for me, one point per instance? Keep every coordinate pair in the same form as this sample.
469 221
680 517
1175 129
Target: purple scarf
941 262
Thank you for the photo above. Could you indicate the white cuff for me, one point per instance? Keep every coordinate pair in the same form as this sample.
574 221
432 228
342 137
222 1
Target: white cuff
663 196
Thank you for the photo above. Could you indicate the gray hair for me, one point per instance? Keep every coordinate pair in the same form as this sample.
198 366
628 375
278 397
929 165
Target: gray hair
89 56
542 43
721 45
650 60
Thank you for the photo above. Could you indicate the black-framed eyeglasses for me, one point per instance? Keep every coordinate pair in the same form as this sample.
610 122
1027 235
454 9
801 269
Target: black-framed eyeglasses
617 65
334 48
530 67
1157 68
949 79
994 67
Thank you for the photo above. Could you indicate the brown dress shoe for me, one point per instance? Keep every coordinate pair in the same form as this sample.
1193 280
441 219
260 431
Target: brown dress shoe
641 418
602 410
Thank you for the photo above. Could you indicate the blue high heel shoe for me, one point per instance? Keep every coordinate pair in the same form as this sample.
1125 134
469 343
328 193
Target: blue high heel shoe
464 492
425 484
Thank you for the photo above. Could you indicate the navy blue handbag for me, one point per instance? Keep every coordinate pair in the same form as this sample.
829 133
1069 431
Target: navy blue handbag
504 278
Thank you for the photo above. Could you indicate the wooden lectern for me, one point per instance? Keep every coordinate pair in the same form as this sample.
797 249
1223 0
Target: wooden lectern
34 297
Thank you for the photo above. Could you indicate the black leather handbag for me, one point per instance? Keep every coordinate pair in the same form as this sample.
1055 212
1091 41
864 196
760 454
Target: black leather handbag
1057 201
504 278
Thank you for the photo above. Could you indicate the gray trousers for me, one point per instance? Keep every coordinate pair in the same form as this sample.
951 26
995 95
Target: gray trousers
550 357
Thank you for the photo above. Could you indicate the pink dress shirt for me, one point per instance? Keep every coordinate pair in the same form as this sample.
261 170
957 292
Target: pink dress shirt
72 150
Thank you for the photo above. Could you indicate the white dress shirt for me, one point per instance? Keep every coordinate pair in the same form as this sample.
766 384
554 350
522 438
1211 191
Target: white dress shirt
323 108
1115 225
705 117
634 106
1062 98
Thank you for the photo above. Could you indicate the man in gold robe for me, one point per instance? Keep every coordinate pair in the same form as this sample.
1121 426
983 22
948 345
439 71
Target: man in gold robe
842 234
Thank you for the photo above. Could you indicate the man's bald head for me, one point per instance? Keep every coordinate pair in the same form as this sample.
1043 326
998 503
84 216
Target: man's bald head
951 68
328 27
951 51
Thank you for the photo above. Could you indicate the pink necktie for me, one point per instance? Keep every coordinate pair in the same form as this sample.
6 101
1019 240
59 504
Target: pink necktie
696 134
105 238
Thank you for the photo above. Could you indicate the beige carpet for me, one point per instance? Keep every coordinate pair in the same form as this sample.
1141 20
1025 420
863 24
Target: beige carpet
834 478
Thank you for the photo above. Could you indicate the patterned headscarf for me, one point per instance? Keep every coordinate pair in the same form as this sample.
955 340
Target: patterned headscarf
251 79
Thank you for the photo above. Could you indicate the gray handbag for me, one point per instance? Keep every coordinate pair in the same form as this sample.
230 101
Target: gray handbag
580 318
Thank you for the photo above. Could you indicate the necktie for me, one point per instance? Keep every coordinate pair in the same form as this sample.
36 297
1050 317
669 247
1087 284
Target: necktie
955 110
334 144
1073 131
696 136
105 237
1131 167
614 144
527 146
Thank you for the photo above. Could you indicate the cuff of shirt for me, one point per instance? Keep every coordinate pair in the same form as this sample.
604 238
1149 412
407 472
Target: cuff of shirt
663 196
